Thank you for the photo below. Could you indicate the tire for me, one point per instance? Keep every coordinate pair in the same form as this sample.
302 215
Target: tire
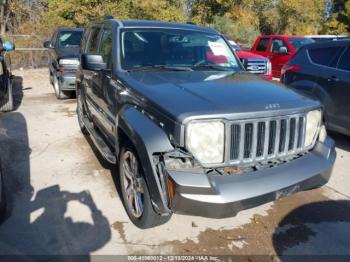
60 94
141 214
8 106
81 113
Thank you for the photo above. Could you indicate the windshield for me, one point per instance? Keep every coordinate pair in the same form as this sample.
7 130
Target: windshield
235 46
68 39
166 49
299 42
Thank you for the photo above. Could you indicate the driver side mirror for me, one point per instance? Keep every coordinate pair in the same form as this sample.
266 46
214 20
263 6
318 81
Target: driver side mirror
92 62
8 47
48 44
283 50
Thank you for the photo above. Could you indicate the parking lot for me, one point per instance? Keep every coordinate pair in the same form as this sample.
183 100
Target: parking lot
63 198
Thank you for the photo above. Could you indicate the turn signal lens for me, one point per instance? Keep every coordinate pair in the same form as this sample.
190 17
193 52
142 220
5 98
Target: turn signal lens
170 188
61 69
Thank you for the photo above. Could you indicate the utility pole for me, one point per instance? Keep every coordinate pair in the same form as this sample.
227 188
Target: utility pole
2 17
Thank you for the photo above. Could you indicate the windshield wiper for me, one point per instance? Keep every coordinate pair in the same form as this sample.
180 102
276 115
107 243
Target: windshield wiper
160 67
211 67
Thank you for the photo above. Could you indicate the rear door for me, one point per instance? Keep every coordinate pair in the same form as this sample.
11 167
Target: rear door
340 80
53 65
92 81
3 82
278 60
108 103
327 86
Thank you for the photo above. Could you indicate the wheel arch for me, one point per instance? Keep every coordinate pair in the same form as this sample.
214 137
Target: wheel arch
148 138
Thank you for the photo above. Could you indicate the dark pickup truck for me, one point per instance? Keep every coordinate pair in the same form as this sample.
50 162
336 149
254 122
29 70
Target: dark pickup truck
64 48
190 135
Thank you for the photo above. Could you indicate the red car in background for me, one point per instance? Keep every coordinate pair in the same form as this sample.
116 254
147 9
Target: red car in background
279 49
253 63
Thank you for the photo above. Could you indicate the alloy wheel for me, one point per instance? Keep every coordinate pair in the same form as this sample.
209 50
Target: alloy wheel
132 186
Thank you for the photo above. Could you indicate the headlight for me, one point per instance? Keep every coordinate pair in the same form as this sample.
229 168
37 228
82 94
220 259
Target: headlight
323 134
206 141
268 68
69 62
313 122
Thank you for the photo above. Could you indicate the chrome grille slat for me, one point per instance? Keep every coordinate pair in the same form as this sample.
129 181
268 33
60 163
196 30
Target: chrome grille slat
277 139
266 139
296 137
286 143
241 141
255 66
267 136
255 141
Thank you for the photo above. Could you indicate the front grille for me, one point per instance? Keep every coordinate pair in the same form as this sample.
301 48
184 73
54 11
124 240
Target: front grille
255 66
266 139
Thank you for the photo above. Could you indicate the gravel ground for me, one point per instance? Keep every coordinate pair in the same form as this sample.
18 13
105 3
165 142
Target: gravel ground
63 199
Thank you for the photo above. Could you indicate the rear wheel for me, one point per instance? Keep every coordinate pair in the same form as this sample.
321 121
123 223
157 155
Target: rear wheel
136 197
60 94
81 113
8 106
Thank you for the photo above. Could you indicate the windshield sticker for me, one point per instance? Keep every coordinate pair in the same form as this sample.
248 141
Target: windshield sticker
218 49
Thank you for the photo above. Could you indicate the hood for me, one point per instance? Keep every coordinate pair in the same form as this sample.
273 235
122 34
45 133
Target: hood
68 52
248 54
186 95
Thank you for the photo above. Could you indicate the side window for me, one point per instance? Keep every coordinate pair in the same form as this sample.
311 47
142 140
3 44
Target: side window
324 55
106 47
277 44
1 68
54 39
84 40
262 45
94 39
344 62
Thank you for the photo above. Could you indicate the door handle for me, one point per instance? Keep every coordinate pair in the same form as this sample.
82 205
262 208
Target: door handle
333 79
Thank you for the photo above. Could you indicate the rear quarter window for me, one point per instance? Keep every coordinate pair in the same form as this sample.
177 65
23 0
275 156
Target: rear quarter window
94 40
84 40
344 62
325 55
262 45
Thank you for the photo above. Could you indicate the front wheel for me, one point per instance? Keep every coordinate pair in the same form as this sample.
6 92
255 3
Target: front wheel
136 197
60 94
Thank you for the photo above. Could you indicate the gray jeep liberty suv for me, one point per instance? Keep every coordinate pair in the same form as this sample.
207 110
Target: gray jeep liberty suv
191 130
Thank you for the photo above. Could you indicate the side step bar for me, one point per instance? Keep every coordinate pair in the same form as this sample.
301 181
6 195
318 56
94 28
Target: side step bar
99 142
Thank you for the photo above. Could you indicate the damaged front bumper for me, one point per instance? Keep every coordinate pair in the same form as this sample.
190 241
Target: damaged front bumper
219 196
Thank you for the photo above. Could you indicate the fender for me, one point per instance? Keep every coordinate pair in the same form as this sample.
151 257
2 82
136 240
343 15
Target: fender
148 138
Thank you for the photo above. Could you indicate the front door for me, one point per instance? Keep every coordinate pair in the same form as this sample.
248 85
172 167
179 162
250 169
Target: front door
276 58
